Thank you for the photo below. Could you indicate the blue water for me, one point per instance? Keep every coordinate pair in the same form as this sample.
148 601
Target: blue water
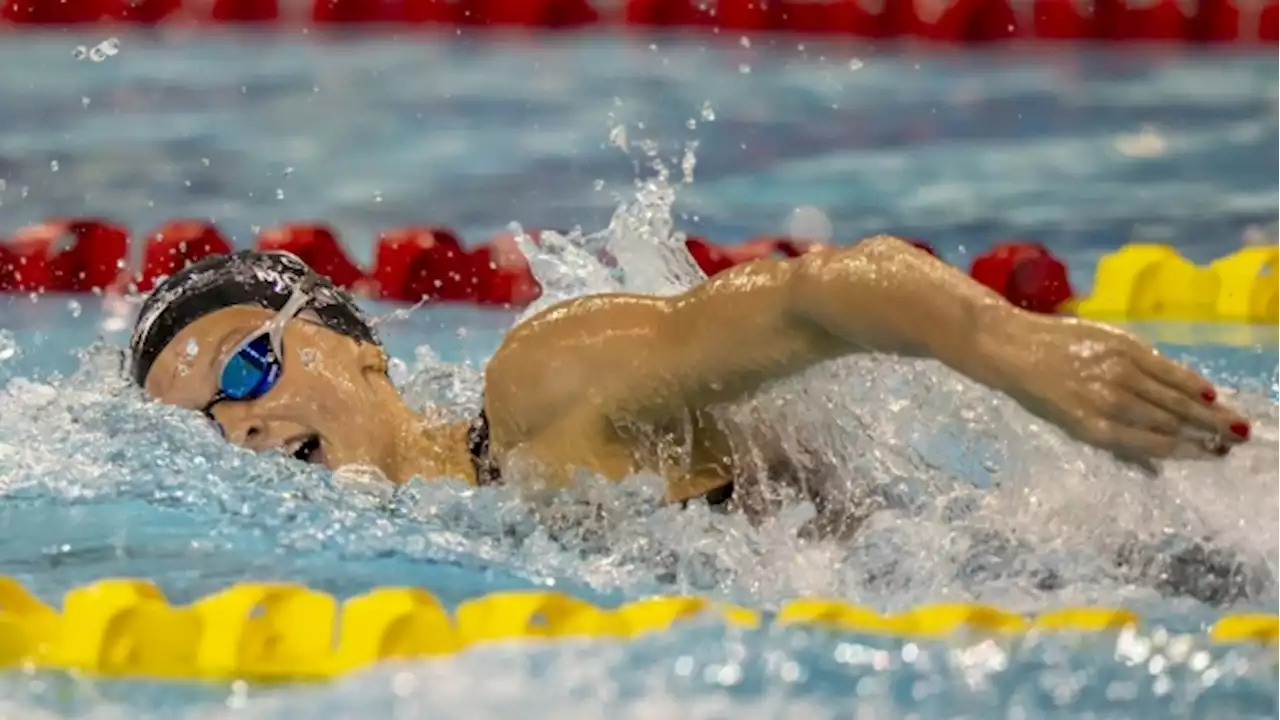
1080 150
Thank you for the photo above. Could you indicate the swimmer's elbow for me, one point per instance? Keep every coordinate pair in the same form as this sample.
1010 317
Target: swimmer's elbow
885 295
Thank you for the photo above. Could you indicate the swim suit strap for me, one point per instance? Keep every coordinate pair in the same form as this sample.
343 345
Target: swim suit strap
486 468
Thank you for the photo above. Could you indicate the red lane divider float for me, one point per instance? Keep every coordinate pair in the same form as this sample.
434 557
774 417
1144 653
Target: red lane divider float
950 21
414 264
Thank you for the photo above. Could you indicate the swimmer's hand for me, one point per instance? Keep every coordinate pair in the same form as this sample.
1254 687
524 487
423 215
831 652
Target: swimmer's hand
1107 388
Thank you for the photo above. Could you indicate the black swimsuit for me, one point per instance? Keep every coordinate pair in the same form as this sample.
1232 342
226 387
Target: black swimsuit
488 473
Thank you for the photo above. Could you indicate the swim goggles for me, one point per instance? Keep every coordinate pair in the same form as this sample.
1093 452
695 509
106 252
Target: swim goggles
255 366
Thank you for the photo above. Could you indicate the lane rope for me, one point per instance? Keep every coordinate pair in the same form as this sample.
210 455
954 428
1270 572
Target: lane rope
1139 281
124 627
1237 22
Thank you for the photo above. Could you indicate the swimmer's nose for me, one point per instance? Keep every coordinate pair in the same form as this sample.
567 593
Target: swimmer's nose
242 428
250 433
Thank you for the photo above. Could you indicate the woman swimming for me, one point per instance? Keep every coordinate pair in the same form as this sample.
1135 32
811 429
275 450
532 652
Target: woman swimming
616 384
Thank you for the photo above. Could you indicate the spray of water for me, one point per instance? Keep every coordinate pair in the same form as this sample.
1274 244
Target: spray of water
924 485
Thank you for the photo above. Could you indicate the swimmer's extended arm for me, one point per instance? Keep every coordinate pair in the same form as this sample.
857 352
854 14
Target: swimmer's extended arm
766 320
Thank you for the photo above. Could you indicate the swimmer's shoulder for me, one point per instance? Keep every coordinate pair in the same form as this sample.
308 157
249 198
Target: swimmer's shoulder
563 355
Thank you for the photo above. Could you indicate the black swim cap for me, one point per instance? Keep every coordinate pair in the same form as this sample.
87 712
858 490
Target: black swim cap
247 277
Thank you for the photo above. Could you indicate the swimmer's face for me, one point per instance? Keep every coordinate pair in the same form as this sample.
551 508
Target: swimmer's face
323 409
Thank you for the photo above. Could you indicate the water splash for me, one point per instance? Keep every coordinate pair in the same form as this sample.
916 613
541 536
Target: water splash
922 486
928 485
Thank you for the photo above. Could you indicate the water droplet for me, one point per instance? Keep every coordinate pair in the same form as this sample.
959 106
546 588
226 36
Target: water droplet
80 52
8 345
744 68
689 161
280 194
377 196
598 185
192 349
856 64
84 101
204 162
618 137
288 171
691 124
744 41
398 371
96 54
308 357
809 223
708 112
110 47
53 166
74 307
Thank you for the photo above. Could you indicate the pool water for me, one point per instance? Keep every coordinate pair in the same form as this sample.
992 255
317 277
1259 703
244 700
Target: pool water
1082 150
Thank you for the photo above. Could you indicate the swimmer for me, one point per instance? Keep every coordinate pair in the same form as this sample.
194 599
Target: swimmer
617 384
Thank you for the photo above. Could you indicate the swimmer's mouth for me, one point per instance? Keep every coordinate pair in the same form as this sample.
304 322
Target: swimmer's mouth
307 449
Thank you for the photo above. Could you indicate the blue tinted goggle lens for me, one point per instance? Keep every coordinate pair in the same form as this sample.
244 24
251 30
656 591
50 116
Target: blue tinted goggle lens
251 371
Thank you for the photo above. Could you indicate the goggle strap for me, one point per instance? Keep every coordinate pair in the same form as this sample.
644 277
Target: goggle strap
275 328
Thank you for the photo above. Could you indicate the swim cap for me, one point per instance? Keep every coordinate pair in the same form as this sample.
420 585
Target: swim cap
247 277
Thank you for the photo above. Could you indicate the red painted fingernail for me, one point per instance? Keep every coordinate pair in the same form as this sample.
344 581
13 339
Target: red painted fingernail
1241 429
1209 395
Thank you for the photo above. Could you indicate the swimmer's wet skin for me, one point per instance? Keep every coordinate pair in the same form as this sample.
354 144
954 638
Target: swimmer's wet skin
281 359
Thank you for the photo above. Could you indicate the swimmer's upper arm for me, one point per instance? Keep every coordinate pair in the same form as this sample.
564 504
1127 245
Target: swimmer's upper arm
720 341
766 320
650 359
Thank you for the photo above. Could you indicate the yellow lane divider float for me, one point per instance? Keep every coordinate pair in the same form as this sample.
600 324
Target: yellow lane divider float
1155 282
284 631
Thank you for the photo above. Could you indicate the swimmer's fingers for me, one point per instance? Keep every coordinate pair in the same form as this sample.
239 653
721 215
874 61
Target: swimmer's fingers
1141 446
1134 410
1189 409
1172 373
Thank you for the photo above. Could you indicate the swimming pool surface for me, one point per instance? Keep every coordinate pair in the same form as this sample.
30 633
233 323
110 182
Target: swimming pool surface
1082 150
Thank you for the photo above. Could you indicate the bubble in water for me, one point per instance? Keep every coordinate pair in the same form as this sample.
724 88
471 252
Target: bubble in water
744 68
84 101
856 64
691 124
308 357
377 196
809 223
288 171
279 193
598 185
8 345
744 41
204 162
708 112
192 349
80 52
74 307
53 166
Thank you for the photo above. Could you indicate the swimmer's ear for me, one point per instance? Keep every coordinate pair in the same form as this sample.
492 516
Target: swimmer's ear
371 358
